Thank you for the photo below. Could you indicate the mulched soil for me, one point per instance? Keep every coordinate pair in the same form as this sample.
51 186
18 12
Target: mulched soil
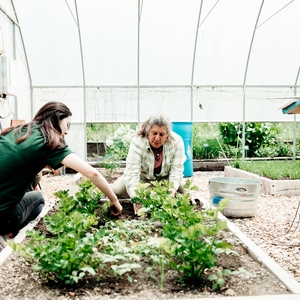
20 282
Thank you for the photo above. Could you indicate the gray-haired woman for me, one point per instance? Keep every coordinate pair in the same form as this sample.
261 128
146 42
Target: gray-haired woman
157 153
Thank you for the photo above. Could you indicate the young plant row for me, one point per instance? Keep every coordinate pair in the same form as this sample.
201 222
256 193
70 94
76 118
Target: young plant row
83 241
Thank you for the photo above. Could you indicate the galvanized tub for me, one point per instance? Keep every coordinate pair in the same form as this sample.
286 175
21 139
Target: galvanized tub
242 193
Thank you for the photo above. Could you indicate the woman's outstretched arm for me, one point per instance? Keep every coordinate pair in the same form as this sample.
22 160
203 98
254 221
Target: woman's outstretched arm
74 162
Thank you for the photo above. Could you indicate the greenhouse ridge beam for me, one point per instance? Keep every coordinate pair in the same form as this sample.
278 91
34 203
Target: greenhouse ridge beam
169 86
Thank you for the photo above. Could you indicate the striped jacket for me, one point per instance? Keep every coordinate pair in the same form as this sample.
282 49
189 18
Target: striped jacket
140 163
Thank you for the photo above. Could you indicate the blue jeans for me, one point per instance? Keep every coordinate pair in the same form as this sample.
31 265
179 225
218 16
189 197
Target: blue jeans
28 208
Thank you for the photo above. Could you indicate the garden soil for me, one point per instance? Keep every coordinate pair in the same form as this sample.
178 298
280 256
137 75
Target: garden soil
273 229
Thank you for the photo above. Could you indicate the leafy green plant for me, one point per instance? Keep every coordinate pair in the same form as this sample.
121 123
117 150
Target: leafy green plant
191 243
256 135
158 260
76 223
120 245
232 151
65 256
86 200
88 197
118 144
277 149
218 278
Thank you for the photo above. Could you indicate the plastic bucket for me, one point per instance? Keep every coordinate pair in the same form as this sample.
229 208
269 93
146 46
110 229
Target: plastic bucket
242 193
185 130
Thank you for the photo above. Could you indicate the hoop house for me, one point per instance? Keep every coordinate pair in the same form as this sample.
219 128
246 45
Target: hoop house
119 61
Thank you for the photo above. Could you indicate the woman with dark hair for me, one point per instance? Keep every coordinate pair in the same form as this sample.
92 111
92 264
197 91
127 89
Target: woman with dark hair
25 150
157 153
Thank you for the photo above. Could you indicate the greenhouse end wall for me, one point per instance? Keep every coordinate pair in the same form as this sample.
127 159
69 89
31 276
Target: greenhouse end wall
204 62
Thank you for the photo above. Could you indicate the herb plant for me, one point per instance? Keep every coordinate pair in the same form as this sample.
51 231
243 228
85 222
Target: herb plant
192 245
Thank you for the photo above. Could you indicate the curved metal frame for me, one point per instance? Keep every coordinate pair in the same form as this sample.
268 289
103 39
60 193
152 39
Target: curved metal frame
245 77
16 23
83 76
139 7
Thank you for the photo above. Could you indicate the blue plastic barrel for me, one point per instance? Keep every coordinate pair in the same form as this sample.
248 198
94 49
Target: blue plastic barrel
185 130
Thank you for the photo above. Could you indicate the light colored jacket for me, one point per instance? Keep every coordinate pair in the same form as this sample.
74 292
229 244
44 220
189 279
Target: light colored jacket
140 163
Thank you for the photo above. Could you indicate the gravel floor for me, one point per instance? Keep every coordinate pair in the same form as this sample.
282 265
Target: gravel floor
274 229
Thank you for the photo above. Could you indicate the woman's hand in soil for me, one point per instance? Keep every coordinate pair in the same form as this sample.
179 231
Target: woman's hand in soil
116 208
173 192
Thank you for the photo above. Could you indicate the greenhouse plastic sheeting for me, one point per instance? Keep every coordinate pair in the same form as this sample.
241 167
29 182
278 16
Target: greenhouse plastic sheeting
119 61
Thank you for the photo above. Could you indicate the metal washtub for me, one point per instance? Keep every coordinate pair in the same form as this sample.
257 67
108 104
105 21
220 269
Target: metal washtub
242 193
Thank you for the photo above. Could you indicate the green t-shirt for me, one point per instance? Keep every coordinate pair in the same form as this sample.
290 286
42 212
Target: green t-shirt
19 164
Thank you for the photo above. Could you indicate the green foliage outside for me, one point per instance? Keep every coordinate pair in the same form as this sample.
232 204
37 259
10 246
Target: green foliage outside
261 140
101 131
118 144
206 142
210 140
256 134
